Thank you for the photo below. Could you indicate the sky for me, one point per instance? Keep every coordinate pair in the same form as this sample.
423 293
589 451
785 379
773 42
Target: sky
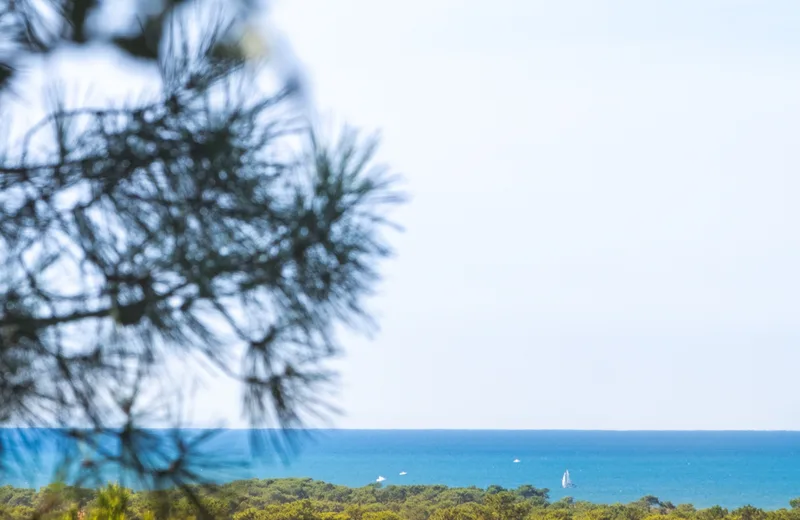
603 229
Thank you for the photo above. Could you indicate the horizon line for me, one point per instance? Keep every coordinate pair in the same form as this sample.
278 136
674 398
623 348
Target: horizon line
311 429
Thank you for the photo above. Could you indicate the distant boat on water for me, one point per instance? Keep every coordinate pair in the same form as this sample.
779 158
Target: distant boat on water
403 473
380 479
516 460
566 482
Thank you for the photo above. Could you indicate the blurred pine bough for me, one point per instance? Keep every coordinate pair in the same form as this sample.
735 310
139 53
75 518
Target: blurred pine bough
211 223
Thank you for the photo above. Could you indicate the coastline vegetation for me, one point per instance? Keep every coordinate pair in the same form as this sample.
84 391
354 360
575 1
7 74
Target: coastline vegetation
307 499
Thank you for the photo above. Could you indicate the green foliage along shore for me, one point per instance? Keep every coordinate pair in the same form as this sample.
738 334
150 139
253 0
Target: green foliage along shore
306 499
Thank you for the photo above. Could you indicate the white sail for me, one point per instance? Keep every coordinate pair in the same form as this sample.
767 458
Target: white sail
566 482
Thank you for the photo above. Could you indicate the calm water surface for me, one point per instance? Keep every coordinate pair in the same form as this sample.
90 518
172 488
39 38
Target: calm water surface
703 468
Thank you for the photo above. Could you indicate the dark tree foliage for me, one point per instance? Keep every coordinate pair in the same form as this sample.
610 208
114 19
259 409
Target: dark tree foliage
44 26
210 223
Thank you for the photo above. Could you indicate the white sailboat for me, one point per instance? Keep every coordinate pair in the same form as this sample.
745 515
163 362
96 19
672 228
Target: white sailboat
566 482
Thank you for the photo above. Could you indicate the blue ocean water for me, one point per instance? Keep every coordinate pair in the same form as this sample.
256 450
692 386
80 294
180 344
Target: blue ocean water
703 468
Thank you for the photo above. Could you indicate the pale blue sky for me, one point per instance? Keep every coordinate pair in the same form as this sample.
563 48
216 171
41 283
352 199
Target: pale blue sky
604 231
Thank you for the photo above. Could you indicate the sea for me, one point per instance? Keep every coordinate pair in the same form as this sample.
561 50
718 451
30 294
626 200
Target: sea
730 469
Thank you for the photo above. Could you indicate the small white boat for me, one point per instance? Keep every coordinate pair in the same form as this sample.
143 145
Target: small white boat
403 473
516 461
380 479
566 482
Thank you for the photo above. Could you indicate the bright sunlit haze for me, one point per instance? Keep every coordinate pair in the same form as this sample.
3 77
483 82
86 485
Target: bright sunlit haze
603 227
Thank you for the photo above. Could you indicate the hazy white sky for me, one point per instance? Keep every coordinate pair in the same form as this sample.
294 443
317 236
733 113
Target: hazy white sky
604 230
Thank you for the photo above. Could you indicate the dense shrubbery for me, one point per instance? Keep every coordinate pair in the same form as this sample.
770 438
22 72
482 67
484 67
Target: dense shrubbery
306 499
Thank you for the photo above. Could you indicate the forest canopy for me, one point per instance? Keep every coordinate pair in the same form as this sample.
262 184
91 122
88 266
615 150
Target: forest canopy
307 499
